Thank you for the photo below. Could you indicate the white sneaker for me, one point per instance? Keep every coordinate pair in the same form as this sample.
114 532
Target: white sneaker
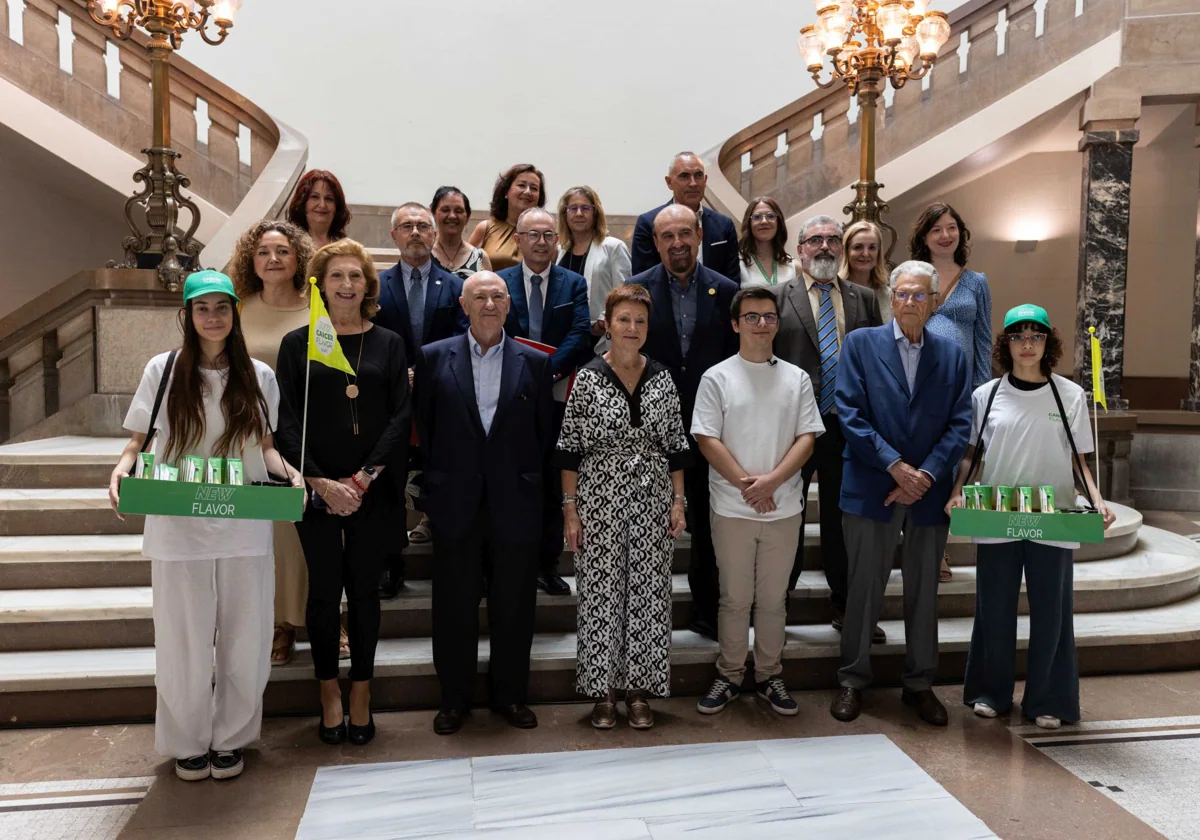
1048 722
983 710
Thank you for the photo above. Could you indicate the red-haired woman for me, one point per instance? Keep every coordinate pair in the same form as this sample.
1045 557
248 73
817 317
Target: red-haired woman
211 578
521 187
319 207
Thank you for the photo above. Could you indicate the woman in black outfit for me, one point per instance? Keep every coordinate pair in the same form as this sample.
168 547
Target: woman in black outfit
358 426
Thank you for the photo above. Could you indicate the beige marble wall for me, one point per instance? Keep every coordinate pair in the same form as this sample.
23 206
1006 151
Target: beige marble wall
128 338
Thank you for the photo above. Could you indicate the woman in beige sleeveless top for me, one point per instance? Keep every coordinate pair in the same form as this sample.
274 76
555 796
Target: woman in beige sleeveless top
518 189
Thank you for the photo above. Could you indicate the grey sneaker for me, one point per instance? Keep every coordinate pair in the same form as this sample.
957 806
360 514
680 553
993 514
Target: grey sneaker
718 697
775 692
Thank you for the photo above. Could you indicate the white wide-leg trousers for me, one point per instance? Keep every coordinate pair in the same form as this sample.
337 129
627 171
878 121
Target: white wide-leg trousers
211 617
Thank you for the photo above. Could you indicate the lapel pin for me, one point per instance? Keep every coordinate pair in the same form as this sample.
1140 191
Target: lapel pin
712 291
437 282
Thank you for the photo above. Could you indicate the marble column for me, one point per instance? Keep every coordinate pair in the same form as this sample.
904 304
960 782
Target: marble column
1104 255
1192 403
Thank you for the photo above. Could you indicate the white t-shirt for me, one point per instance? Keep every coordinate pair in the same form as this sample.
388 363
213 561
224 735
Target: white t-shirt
1025 442
757 409
195 538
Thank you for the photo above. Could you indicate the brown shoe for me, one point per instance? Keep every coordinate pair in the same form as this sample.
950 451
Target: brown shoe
847 704
640 714
604 714
929 708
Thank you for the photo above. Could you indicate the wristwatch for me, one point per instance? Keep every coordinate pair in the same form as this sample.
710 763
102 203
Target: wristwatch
370 472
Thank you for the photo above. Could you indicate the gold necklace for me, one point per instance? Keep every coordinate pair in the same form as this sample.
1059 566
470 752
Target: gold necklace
352 387
448 259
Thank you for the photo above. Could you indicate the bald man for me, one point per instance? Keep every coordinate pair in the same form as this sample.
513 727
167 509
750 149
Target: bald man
690 331
687 180
484 419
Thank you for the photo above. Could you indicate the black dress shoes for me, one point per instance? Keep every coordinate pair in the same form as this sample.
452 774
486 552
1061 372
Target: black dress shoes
517 714
553 584
360 736
703 627
390 584
449 721
332 735
878 637
929 708
847 704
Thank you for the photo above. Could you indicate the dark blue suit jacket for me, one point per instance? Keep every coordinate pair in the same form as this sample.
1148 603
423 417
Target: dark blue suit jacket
509 463
566 322
713 338
443 314
882 420
720 251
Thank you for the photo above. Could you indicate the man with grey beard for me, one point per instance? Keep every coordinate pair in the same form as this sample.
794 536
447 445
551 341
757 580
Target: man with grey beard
816 311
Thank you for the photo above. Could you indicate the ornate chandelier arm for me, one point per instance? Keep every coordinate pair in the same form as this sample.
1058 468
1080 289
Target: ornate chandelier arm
120 18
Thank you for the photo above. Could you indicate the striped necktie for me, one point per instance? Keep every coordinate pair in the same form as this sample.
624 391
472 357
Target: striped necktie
827 340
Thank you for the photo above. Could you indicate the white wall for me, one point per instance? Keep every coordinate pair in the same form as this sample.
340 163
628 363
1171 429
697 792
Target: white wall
398 97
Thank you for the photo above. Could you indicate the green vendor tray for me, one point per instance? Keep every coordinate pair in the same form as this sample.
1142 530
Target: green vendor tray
1059 527
210 501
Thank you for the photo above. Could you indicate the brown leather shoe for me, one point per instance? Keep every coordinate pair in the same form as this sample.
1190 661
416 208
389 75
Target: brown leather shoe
604 714
929 708
640 714
847 704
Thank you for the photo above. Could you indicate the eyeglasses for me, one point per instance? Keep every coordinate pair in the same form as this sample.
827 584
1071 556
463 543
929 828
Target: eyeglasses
764 217
818 241
580 209
536 236
754 318
915 297
1018 338
409 227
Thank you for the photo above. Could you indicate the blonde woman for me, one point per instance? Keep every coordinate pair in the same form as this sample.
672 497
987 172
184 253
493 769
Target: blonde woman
586 248
863 263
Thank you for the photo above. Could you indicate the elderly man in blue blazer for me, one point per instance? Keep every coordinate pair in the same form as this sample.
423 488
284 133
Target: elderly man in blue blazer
687 181
550 306
690 331
418 300
904 401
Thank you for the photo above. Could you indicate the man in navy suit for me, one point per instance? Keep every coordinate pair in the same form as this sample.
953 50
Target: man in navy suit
549 305
418 300
690 331
904 401
484 418
687 181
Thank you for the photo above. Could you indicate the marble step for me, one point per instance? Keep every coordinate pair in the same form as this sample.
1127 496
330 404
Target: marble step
55 511
108 685
1165 569
60 462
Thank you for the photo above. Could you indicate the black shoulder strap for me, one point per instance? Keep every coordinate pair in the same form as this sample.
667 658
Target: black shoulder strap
158 398
1075 468
979 446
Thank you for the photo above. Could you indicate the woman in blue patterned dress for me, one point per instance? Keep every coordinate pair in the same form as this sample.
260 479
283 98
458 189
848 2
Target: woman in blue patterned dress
940 236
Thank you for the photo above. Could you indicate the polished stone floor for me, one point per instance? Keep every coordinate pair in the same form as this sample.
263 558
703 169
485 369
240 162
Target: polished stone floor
974 776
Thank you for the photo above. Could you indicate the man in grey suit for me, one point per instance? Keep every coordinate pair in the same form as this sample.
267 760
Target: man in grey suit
816 311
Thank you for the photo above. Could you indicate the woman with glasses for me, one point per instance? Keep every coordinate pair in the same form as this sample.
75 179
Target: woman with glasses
1033 425
521 187
964 313
586 248
451 209
764 260
863 263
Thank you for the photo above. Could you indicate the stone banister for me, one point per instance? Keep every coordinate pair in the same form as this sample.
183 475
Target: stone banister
786 162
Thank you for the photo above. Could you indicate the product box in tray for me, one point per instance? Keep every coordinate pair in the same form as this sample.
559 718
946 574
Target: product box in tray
196 489
1022 513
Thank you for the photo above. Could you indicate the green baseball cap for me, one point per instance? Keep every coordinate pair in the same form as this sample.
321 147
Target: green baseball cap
208 282
1027 312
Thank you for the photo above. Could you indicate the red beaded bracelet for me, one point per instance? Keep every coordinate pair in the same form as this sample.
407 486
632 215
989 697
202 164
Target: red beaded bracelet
354 478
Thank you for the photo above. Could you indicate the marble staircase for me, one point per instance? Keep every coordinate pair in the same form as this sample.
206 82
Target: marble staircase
76 629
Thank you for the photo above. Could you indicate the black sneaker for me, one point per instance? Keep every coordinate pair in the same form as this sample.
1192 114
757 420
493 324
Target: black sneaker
718 697
192 769
227 763
775 692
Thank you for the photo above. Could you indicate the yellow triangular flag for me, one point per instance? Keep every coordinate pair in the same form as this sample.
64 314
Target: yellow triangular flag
323 345
1097 371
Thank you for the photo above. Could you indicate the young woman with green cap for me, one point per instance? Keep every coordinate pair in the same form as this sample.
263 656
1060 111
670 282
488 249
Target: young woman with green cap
1030 422
211 578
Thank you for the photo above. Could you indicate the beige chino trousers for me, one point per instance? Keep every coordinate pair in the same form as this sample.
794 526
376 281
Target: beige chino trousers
754 559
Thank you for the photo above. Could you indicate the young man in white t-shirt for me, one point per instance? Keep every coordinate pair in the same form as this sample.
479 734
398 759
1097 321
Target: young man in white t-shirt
755 421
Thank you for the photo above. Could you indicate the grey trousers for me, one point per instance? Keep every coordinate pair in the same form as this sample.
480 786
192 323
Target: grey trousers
870 549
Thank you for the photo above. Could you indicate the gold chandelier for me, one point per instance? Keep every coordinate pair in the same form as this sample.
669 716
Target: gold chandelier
868 40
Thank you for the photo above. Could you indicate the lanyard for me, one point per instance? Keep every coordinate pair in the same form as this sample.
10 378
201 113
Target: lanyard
774 278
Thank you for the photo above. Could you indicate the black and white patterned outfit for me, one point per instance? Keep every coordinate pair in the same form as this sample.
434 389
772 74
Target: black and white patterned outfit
473 265
624 448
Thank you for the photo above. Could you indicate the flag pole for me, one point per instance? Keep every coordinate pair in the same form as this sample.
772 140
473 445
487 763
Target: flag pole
304 419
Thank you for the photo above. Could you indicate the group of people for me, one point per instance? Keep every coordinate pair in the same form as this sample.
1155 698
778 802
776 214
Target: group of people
539 383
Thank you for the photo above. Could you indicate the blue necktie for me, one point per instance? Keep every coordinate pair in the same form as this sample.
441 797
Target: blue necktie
827 340
416 308
535 307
